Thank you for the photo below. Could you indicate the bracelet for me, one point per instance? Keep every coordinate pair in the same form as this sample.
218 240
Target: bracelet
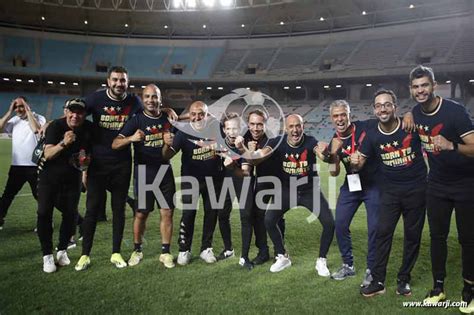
61 143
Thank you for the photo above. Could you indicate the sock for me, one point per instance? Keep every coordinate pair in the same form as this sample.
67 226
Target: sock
165 248
138 247
439 284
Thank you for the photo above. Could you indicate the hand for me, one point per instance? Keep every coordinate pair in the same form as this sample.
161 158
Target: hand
27 108
138 136
11 109
408 123
239 143
252 146
168 138
322 148
69 137
355 158
336 145
228 162
171 114
442 144
42 131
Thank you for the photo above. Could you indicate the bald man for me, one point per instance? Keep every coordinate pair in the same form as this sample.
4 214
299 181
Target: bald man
295 154
199 160
145 130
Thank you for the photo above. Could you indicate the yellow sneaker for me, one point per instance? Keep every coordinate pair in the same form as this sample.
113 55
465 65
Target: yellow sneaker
468 307
167 260
135 258
83 263
118 261
436 295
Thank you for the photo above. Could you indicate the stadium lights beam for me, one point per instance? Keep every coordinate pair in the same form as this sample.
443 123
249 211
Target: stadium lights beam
243 25
86 22
298 87
43 18
166 26
18 80
103 85
31 81
247 88
143 86
326 86
226 3
338 85
471 81
6 79
62 83
75 83
209 88
286 88
364 13
50 82
220 88
282 23
177 4
321 19
368 85
132 86
204 26
126 25
208 3
448 82
412 6
191 4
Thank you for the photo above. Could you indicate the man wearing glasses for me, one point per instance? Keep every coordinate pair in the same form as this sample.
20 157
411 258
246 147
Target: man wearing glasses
403 172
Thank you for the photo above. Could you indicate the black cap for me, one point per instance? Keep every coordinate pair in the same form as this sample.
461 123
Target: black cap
75 104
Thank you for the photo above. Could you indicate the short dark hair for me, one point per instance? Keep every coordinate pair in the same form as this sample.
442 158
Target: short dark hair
420 72
118 69
258 112
23 98
228 116
385 91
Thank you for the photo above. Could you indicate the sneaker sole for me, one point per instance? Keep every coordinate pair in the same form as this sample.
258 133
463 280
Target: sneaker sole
406 294
374 294
340 279
118 265
169 266
83 268
275 271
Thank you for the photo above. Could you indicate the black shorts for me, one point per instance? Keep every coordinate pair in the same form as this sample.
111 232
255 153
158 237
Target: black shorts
167 188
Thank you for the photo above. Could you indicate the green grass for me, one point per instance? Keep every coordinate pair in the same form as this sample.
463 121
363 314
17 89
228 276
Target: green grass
199 288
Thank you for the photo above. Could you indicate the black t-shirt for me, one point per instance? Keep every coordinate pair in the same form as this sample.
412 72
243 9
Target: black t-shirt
295 161
266 168
148 151
398 154
199 156
359 130
109 116
452 121
61 165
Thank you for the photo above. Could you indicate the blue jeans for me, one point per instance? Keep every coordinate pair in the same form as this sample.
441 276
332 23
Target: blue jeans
346 207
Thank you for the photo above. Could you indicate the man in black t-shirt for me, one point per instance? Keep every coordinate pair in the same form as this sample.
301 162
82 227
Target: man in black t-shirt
403 174
145 130
110 169
447 136
203 167
295 157
66 154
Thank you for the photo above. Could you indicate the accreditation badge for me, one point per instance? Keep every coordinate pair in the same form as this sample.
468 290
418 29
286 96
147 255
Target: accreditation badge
354 182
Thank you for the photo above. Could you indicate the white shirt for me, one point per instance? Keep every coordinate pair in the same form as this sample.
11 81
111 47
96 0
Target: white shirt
23 139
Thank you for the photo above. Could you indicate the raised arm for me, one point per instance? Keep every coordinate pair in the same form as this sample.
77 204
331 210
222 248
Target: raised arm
121 141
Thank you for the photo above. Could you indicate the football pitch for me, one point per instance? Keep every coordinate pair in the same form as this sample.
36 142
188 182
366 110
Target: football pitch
223 287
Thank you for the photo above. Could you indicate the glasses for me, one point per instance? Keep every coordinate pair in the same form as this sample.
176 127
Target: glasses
386 105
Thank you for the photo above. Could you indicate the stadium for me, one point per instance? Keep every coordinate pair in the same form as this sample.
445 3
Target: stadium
301 54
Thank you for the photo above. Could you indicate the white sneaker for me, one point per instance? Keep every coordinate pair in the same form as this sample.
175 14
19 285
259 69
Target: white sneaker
62 258
48 264
184 258
322 268
282 262
208 256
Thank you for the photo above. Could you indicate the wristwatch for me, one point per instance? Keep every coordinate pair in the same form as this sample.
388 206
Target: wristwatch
61 143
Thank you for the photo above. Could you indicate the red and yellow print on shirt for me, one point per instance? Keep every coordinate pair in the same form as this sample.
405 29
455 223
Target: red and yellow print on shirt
396 154
154 134
296 164
427 135
205 150
114 117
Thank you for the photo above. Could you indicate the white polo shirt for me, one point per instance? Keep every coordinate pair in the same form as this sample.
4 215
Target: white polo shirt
23 139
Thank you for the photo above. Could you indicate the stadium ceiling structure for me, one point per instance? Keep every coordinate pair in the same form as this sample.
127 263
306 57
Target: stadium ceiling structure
212 19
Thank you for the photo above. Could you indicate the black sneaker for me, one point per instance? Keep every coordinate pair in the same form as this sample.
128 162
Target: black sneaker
374 288
403 288
261 258
466 297
226 254
246 263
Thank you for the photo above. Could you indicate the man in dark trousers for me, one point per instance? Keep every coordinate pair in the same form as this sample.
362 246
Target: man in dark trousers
66 155
447 136
110 169
22 128
403 174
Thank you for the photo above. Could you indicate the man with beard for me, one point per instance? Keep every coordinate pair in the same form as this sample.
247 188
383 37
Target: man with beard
23 129
145 130
295 157
447 136
403 173
110 169
67 146
199 161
